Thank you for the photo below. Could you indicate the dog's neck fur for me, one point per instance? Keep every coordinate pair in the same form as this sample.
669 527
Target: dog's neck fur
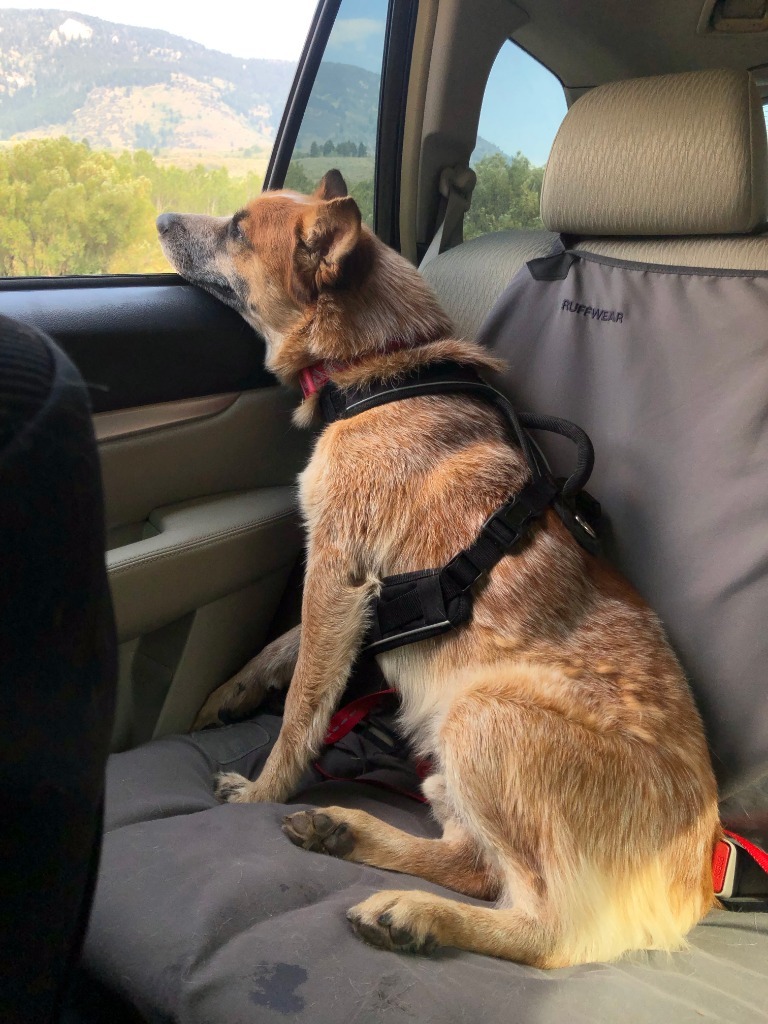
383 300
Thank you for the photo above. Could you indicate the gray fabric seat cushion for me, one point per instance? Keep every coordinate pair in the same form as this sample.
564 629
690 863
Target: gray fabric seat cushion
205 913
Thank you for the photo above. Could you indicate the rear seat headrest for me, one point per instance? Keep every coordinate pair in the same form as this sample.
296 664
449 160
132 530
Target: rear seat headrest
670 155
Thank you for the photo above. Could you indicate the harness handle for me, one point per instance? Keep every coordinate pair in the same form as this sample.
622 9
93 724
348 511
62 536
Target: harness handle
585 453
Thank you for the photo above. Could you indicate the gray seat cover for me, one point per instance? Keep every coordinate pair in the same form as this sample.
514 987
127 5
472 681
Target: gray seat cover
667 370
206 914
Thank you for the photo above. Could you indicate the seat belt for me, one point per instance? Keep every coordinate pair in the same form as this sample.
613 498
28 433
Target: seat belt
456 187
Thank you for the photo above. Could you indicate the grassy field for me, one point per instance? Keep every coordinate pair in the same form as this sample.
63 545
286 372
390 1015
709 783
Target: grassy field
354 168
237 165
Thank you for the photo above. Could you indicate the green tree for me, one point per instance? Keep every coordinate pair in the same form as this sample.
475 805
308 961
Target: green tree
328 148
506 195
68 209
362 193
314 149
298 179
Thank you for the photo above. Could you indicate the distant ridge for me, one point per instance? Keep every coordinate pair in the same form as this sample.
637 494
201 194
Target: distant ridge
123 87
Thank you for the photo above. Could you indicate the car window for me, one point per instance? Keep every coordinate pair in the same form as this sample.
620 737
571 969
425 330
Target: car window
111 113
522 109
341 119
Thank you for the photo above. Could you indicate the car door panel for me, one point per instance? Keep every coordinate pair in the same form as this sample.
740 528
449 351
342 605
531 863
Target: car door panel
137 344
201 550
250 444
199 460
203 532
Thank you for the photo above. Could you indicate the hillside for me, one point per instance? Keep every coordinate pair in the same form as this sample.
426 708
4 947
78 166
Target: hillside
120 87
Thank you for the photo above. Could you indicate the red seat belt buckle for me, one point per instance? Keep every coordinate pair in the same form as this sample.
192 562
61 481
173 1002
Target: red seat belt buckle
724 868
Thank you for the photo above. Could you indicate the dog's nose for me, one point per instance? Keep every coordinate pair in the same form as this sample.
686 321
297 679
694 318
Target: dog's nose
166 221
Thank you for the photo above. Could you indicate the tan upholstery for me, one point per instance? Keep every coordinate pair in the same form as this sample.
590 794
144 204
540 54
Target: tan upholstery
469 278
718 252
201 550
211 455
670 155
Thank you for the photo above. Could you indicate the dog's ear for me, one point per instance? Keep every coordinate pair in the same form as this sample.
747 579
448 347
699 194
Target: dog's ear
332 186
326 235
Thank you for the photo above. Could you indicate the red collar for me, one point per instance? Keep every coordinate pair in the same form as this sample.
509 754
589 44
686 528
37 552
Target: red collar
314 378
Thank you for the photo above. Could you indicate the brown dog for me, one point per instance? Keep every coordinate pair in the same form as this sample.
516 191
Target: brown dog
572 778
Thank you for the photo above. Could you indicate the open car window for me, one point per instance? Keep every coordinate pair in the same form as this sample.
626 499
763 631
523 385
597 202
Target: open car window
522 109
113 113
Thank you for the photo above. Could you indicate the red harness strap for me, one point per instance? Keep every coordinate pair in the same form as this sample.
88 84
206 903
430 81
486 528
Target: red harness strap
724 863
352 714
343 722
758 855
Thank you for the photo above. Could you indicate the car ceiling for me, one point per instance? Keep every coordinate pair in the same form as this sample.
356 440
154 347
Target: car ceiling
587 42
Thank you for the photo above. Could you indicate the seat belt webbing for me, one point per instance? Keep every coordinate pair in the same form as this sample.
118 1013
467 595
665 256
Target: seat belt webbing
456 186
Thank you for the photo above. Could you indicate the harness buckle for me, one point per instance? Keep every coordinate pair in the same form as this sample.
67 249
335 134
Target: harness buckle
461 571
504 530
724 868
507 524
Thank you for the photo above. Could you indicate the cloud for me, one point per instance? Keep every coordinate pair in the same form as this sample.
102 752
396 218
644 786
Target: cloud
355 32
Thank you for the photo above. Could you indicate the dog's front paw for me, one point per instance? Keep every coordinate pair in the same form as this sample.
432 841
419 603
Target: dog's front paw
394 920
320 832
235 789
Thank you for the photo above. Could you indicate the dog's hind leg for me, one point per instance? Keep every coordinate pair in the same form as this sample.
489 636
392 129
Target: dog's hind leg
453 861
604 843
239 697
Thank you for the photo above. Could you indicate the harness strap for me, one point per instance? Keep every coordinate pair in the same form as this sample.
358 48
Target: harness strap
447 377
352 714
419 605
740 871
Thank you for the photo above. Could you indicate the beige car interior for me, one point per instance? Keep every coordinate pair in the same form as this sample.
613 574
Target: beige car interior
200 495
203 533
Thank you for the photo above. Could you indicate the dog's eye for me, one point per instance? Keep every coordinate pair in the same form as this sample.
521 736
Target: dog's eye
236 228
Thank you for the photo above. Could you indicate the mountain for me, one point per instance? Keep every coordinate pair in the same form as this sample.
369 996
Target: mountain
63 73
484 148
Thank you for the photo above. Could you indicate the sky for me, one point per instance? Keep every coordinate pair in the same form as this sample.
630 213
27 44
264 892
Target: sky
523 104
259 28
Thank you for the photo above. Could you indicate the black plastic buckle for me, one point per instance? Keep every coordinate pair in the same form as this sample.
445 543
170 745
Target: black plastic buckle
462 571
507 524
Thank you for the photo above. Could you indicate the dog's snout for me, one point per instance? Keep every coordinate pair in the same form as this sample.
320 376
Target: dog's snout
166 221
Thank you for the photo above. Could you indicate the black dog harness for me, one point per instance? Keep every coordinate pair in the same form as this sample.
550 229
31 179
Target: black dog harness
418 605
